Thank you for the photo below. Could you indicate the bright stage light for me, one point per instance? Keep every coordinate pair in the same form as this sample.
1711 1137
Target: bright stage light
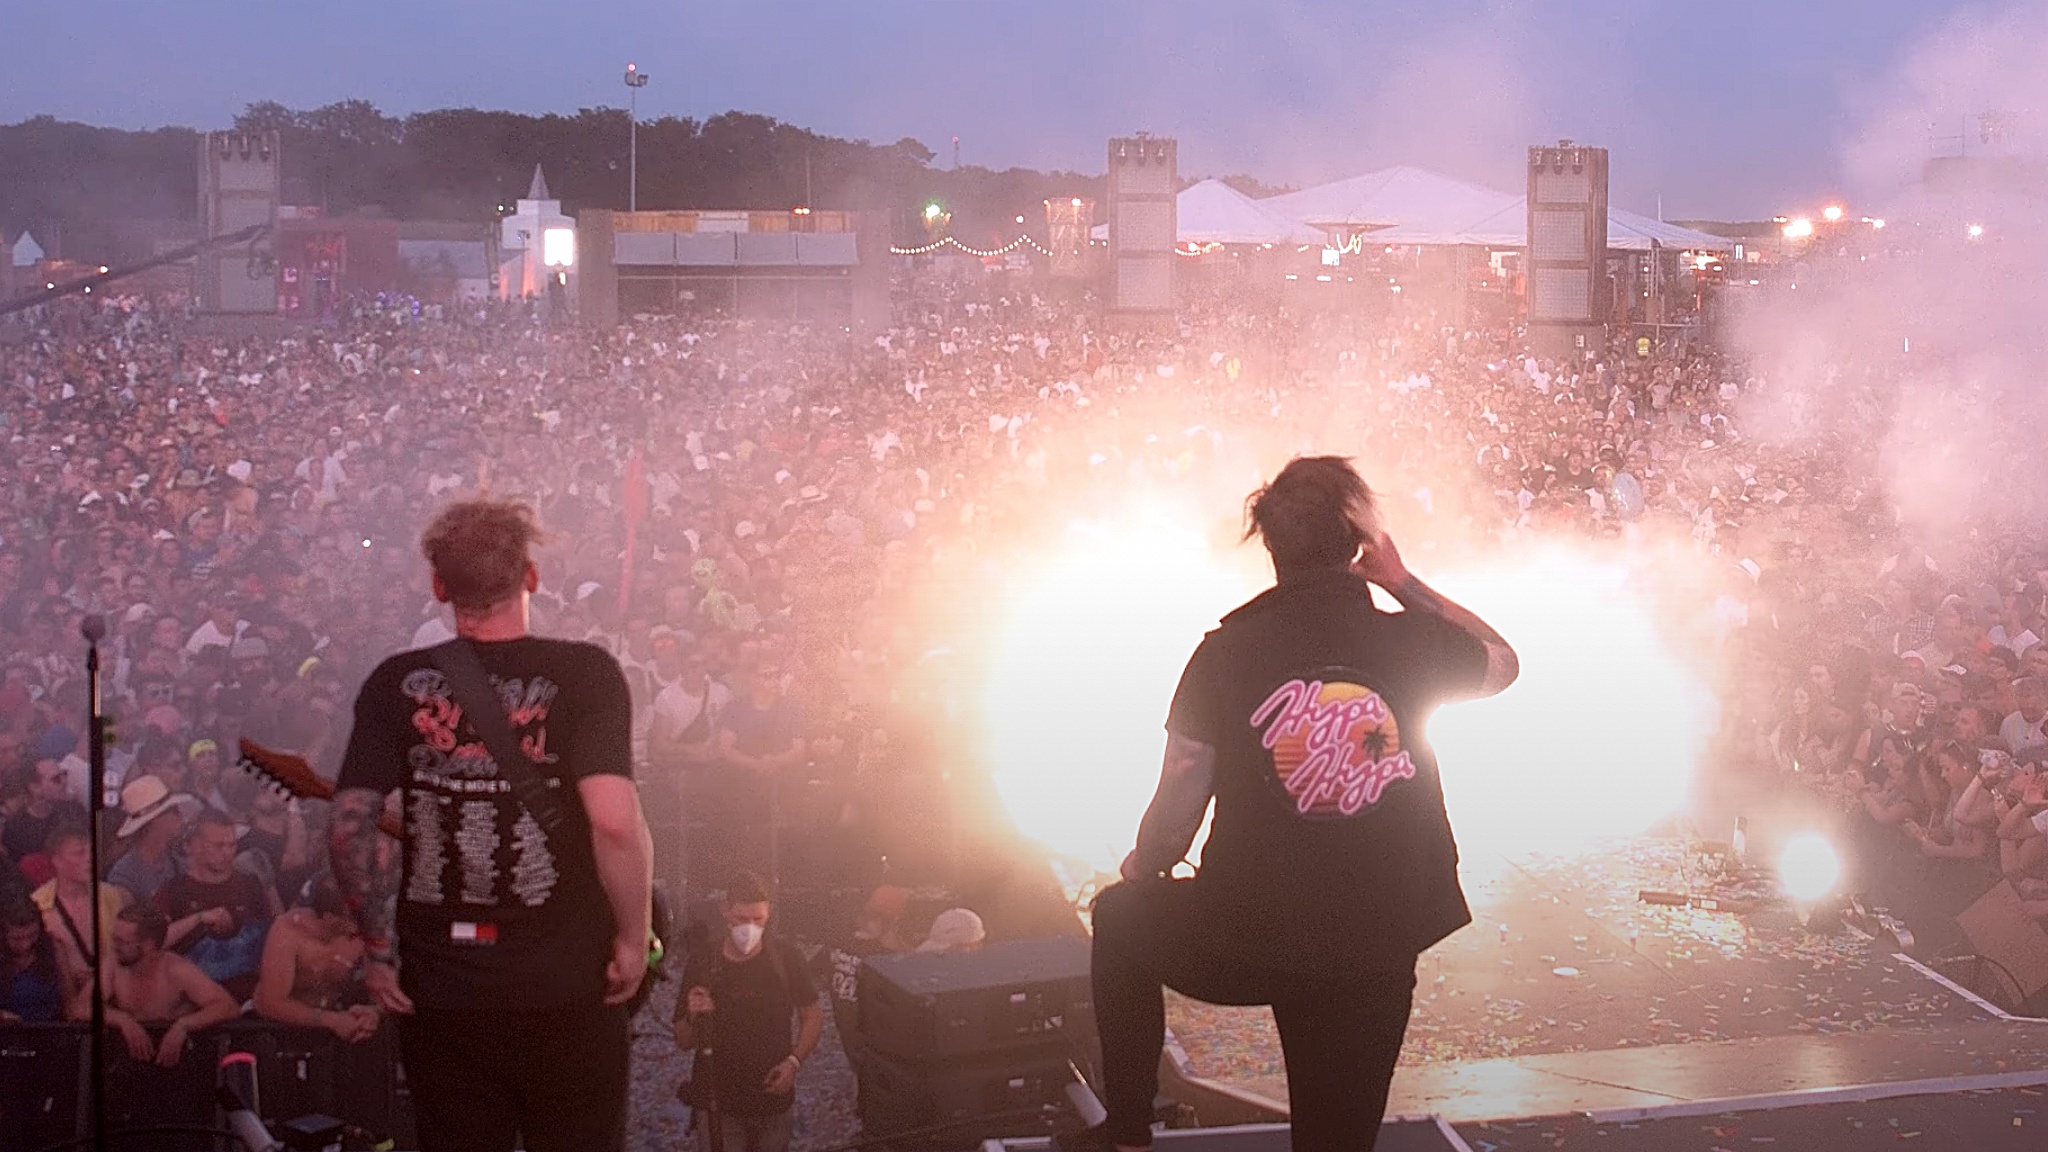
1599 737
1831 213
558 247
1809 868
1799 229
1085 666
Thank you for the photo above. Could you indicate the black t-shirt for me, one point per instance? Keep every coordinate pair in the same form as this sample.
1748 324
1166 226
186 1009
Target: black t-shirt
847 960
231 957
1330 850
753 1026
493 912
25 834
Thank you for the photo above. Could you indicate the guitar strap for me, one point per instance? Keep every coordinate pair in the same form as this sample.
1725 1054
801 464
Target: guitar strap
549 806
470 685
91 955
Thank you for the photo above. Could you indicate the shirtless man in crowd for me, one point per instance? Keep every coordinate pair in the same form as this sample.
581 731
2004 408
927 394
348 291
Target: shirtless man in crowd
147 985
309 962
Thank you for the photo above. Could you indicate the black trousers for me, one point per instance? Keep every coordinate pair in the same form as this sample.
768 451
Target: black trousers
482 1081
1341 1037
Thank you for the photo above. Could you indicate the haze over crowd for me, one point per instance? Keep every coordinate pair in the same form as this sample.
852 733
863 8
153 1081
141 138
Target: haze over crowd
1726 111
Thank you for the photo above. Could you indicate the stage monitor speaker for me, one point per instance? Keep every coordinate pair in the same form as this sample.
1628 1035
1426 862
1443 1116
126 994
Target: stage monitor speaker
982 1097
1567 253
1144 181
239 182
1012 994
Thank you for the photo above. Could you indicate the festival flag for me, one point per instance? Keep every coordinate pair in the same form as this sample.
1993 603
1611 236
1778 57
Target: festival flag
633 502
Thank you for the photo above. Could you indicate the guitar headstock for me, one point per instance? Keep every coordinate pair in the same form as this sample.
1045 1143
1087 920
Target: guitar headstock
285 771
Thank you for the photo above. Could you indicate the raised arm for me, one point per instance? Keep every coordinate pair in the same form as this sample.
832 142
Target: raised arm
1187 781
1381 563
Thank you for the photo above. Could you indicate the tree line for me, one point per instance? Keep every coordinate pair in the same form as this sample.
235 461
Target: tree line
465 164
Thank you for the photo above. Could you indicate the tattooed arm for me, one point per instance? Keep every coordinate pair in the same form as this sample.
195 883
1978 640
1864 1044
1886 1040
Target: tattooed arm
366 869
365 863
1187 780
1381 564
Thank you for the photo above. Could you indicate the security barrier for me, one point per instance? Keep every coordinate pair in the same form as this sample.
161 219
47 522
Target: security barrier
44 1083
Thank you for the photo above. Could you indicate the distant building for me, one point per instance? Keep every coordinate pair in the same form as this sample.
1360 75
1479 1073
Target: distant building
323 261
801 264
523 240
448 262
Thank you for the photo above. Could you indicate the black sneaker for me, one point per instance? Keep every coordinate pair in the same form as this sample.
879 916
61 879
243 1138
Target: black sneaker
1094 1139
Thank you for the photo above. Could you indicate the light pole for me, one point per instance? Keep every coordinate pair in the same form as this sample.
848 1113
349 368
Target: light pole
635 81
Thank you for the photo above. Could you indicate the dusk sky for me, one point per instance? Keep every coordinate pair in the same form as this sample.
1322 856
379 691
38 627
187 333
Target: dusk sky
1736 108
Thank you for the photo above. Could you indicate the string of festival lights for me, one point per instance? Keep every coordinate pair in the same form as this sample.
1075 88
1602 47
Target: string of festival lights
950 242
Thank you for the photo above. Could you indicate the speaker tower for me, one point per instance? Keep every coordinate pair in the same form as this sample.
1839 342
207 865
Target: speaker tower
1567 256
1144 178
239 178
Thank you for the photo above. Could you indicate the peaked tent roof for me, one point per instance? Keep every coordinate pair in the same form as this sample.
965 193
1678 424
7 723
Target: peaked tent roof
27 253
537 188
1213 212
1404 196
1632 231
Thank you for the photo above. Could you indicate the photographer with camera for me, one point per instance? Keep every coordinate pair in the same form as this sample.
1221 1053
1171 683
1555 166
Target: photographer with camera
745 993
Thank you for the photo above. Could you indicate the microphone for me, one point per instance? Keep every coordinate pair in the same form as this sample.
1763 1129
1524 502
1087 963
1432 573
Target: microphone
236 1094
93 628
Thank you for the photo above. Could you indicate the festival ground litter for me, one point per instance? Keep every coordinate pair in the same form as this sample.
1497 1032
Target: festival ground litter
1563 956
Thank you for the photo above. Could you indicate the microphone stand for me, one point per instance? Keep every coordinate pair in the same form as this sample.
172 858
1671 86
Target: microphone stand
94 629
701 1070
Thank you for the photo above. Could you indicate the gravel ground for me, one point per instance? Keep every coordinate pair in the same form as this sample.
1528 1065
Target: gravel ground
658 1122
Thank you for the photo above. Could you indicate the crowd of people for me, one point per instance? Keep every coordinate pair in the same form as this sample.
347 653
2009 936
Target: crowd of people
789 533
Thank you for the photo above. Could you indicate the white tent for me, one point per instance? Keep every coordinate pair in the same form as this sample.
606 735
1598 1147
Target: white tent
1508 227
1632 232
1212 212
1406 197
27 253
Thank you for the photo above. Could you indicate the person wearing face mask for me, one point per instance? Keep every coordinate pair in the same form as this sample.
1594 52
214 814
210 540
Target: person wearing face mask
750 1002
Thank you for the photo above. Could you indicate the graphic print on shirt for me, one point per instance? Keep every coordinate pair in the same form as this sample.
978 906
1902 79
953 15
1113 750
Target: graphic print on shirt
462 813
1335 745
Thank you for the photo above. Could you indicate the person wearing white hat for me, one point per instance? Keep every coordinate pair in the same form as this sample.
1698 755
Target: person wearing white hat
955 930
155 816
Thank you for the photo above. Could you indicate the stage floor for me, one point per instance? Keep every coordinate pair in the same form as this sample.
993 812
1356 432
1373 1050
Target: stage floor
1985 1120
1568 994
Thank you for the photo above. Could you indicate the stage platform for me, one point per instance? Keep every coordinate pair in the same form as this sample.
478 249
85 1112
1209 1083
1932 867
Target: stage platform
1569 995
2013 1119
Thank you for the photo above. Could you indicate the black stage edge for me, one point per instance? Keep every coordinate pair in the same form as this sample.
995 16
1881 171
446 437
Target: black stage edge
2011 1119
1424 1134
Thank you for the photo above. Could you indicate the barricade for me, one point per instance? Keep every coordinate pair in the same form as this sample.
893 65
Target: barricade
44 1083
